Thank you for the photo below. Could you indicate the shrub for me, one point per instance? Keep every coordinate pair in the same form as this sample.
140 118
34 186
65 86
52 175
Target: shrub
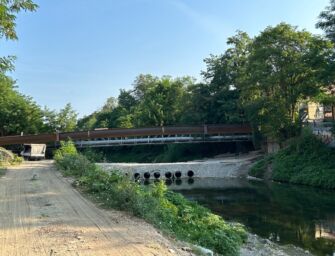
306 160
93 155
166 210
66 148
259 169
8 158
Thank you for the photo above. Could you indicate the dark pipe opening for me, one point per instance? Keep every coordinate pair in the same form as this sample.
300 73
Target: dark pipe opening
157 175
179 182
168 182
177 174
168 175
190 173
146 175
137 176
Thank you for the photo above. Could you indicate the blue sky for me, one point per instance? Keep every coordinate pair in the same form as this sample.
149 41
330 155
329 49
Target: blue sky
84 51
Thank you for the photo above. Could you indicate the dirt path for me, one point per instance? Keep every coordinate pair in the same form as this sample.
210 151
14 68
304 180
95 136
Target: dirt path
41 214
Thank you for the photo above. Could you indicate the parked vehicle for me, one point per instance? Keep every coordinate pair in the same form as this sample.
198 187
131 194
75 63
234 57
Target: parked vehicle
34 151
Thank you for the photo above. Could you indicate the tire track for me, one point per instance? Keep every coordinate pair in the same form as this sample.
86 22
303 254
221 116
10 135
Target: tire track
46 216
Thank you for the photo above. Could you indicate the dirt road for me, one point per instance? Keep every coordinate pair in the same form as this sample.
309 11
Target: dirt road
41 214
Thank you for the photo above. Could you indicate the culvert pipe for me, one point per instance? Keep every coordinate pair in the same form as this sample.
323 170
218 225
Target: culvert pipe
190 173
157 175
168 175
137 176
147 175
177 174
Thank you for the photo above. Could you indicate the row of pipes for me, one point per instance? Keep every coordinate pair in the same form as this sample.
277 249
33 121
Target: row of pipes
168 175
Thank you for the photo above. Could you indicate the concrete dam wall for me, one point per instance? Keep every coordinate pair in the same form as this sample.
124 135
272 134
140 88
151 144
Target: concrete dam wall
224 168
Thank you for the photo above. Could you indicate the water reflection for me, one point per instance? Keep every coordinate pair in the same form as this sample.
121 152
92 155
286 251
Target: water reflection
283 213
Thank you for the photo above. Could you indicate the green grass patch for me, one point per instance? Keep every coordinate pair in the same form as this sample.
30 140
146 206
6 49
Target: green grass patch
166 210
305 161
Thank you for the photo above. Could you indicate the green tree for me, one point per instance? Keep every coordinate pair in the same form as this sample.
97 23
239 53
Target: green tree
284 67
18 113
161 102
217 100
63 121
327 21
8 11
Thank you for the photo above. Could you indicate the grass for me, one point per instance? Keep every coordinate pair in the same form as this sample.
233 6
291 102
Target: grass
166 210
8 158
305 161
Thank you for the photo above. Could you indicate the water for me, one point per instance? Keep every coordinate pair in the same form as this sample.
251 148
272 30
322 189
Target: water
285 214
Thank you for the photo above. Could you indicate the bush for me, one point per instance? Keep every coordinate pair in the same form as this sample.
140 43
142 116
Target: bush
166 210
66 148
306 160
259 169
93 155
8 158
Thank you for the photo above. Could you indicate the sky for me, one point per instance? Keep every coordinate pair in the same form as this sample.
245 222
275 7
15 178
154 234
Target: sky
84 51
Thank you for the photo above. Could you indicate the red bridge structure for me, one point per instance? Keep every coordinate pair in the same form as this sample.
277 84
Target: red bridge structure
138 136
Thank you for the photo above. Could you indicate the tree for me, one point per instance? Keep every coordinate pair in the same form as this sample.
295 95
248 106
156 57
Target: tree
63 121
18 113
217 101
8 12
327 21
161 102
285 66
111 103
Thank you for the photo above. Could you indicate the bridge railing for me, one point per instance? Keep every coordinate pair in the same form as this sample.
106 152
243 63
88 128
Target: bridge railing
203 130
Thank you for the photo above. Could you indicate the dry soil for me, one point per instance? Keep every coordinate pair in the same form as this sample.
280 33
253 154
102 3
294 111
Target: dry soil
42 214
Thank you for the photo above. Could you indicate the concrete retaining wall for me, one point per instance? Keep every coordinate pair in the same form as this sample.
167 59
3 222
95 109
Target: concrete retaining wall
201 169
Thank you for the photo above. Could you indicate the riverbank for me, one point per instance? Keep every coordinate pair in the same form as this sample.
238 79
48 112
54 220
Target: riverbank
168 211
306 161
257 246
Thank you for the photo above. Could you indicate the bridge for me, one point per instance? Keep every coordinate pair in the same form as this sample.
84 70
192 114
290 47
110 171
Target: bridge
140 136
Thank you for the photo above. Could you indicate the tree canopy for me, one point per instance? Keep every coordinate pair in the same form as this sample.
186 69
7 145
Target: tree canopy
327 21
284 67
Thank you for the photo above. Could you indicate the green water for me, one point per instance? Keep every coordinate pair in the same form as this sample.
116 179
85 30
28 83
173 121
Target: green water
285 214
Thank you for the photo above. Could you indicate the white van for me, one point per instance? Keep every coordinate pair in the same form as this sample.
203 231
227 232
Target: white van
34 151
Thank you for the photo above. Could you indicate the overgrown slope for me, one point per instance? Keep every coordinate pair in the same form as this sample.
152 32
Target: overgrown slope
305 161
168 211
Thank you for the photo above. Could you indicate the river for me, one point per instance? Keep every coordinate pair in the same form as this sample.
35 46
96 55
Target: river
283 213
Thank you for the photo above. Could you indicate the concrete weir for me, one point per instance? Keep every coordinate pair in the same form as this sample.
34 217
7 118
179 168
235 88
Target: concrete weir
231 167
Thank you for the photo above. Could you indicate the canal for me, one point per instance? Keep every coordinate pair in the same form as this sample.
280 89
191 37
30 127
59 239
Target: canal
285 214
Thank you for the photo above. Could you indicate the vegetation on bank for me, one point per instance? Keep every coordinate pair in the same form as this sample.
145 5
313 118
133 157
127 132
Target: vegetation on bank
306 160
8 158
166 210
